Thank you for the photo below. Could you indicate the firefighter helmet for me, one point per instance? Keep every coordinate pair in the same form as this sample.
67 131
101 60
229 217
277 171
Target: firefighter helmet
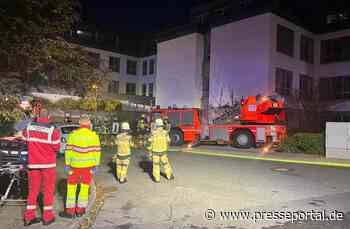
159 122
125 126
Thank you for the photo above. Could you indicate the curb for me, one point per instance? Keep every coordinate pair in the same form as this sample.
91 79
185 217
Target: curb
281 160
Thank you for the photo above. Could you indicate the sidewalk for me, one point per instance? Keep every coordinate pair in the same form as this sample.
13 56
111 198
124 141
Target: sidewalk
259 154
11 217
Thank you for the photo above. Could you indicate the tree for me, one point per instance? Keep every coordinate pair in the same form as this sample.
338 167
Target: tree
31 41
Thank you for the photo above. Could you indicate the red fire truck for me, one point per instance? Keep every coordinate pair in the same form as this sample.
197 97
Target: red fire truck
258 124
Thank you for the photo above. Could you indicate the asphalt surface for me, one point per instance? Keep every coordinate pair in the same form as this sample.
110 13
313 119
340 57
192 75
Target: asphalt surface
224 185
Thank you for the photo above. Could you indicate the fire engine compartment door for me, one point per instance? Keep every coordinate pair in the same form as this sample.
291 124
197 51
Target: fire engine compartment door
219 133
260 134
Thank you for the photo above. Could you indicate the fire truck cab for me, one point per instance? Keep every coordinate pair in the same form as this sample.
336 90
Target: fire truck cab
257 124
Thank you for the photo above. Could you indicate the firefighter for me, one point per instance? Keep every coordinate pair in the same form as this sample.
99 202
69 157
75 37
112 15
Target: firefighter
82 157
159 141
167 124
43 143
124 143
142 124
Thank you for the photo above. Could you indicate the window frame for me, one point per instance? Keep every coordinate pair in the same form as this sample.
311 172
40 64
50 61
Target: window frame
114 64
131 67
127 87
283 41
285 78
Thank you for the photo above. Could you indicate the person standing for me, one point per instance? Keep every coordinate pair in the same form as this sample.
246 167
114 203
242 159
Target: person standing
124 143
159 142
82 157
43 143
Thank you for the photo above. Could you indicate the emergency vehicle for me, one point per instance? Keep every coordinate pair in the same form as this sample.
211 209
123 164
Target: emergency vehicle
259 123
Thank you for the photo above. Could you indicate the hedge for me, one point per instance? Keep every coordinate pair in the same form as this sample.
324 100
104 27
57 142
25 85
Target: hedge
309 143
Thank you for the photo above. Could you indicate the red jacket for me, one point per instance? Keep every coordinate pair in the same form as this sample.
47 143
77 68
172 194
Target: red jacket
43 142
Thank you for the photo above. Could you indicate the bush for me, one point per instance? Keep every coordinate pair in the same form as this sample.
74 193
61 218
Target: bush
67 104
110 105
88 104
308 143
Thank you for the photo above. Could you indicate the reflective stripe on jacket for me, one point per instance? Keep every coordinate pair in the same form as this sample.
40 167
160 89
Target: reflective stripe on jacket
124 143
83 149
159 140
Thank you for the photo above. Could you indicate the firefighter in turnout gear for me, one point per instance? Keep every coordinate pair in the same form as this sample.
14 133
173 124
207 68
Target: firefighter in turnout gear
122 159
142 125
159 142
167 124
82 157
43 142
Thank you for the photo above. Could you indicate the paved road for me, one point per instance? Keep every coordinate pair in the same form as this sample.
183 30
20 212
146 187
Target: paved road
222 184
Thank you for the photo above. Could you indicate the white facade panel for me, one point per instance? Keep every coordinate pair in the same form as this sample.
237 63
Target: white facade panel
179 71
338 140
240 57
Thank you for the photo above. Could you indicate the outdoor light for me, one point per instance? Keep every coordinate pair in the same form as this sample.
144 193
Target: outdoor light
189 146
79 32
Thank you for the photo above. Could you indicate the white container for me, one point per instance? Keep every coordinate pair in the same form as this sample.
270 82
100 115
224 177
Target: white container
338 140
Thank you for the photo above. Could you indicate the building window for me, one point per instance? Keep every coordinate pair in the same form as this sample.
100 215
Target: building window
335 50
113 87
335 88
284 82
144 89
305 87
144 67
307 49
131 67
114 64
285 40
150 90
130 88
151 66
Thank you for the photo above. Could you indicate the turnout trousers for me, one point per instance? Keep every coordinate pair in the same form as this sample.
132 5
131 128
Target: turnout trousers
82 177
41 180
161 159
122 166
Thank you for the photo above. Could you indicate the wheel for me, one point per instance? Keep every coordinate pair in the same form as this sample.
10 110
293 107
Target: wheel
242 139
176 137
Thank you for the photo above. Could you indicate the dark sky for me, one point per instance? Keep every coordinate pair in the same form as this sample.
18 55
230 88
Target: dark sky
136 15
152 15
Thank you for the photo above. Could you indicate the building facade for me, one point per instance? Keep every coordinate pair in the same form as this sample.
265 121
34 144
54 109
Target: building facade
259 52
131 61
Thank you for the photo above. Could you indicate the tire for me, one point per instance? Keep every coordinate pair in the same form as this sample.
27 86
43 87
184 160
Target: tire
176 137
242 139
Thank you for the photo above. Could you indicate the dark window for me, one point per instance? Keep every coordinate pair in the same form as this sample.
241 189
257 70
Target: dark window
188 118
334 88
131 67
335 50
150 90
144 90
94 59
174 118
306 87
307 49
113 87
151 66
144 67
130 88
284 82
285 40
114 64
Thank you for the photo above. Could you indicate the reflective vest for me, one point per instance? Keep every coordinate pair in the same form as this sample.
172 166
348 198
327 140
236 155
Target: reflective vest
159 141
124 144
83 149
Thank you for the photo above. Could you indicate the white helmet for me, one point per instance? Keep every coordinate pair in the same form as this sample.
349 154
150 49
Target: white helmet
159 122
125 126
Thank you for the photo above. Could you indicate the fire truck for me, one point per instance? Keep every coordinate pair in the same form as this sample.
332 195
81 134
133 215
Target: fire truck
260 123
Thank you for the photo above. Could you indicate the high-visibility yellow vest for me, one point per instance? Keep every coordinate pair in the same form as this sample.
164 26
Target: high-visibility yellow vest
83 149
124 143
159 141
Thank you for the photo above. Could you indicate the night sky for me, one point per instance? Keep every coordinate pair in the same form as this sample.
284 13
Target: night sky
153 15
136 15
